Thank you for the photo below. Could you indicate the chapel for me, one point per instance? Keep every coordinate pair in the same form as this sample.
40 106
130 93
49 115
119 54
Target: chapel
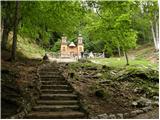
71 49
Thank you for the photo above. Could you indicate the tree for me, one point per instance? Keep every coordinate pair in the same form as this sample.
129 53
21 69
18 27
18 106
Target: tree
15 30
38 20
58 17
114 25
7 20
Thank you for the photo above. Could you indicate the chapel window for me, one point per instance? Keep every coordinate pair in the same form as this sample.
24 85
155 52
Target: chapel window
63 48
80 49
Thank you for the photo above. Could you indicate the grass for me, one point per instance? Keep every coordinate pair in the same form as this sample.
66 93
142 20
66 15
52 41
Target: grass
121 62
28 49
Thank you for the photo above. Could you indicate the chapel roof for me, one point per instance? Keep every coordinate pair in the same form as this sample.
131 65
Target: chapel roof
72 44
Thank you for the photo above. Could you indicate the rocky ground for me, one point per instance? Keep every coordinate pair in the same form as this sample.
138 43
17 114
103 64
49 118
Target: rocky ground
18 84
105 91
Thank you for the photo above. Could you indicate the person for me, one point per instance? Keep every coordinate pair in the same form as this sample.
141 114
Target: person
45 58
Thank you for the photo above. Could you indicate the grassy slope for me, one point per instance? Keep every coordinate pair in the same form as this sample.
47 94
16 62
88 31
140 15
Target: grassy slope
142 56
28 49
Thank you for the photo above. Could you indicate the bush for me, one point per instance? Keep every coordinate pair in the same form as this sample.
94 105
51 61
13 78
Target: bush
100 93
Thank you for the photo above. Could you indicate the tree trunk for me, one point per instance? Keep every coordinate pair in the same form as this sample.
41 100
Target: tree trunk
126 56
5 35
15 30
119 51
157 34
154 37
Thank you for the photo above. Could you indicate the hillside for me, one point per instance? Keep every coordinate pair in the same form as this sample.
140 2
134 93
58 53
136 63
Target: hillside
26 47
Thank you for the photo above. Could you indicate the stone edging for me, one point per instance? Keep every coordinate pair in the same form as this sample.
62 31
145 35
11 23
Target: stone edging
123 115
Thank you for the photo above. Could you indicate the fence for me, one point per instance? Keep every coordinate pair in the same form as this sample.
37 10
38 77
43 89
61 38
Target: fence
68 56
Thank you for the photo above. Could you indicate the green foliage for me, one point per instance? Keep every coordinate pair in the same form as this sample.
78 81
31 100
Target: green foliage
56 46
105 25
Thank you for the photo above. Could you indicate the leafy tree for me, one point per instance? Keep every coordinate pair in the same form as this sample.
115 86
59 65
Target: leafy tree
56 46
15 30
7 21
114 24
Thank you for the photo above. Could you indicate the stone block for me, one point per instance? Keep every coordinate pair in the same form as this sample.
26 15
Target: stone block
126 115
112 116
155 103
146 109
119 115
133 113
103 116
156 97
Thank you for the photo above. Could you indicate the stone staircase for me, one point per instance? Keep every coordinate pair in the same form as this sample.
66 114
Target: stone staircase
57 100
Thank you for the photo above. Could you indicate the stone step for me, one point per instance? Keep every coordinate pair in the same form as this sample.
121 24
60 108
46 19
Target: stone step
58 97
48 108
60 82
57 102
52 79
55 87
50 91
56 115
49 72
50 76
48 69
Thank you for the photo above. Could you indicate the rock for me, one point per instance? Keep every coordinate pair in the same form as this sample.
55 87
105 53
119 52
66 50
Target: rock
100 93
103 116
106 67
133 113
138 111
134 103
143 102
105 81
148 103
96 117
120 115
25 111
156 97
113 73
126 115
45 58
146 109
98 75
22 114
155 103
112 116
13 117
91 68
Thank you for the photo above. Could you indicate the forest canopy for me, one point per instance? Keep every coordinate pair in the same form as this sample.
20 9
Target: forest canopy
106 26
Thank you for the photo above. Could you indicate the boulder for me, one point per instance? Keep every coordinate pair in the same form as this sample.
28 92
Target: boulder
156 97
103 116
112 116
142 102
134 103
91 68
133 113
155 103
126 115
119 115
99 75
105 81
146 109
138 111
100 93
